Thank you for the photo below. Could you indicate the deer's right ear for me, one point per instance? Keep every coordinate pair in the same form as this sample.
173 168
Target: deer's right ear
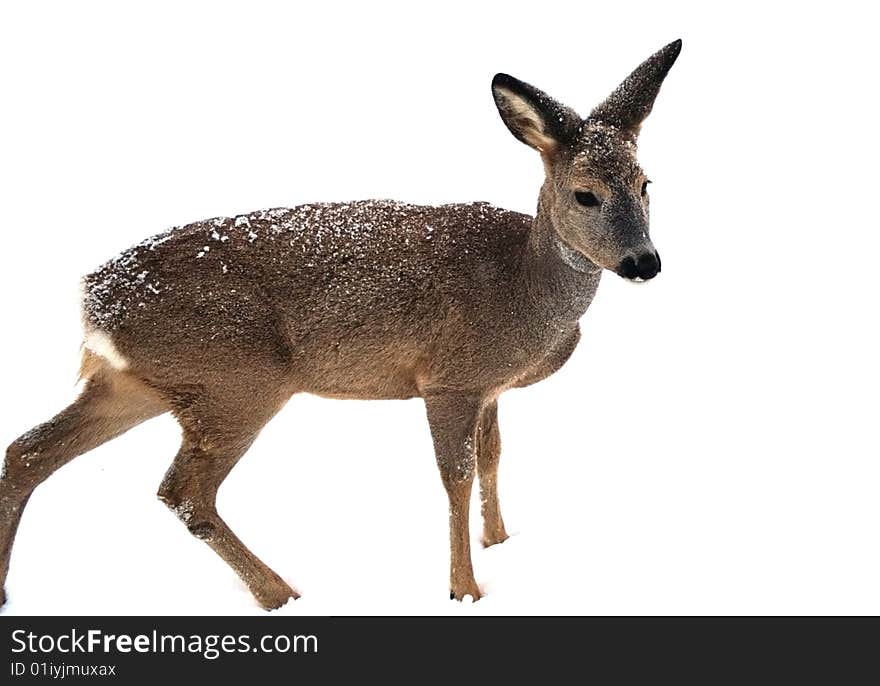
533 116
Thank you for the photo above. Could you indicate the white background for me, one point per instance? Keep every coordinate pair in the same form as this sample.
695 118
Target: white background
709 448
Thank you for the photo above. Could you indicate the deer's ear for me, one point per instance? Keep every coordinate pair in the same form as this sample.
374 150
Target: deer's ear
533 116
633 99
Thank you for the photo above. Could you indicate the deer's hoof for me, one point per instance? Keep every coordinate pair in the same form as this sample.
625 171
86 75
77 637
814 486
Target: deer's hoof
490 539
468 589
276 596
2 597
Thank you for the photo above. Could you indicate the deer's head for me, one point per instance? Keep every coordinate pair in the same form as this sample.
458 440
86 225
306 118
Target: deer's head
595 193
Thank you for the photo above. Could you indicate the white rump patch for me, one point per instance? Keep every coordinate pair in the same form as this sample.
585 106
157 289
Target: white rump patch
102 345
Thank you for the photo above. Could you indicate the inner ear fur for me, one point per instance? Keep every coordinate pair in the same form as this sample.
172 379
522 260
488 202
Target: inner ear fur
532 116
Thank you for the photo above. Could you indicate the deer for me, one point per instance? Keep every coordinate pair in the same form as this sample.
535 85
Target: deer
220 322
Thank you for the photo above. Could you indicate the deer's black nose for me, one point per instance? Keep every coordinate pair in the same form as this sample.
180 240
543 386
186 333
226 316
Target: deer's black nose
645 266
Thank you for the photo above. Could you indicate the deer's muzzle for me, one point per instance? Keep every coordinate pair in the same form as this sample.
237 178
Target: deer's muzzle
645 266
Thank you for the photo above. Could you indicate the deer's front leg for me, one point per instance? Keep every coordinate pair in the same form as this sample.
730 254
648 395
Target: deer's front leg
453 419
488 453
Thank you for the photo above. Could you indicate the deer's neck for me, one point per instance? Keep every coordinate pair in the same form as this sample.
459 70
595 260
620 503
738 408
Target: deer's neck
558 280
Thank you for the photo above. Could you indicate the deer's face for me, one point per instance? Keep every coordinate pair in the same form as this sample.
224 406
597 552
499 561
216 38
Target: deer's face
596 193
599 202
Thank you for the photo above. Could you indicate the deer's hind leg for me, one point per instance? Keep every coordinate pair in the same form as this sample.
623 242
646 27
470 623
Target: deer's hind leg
111 403
215 436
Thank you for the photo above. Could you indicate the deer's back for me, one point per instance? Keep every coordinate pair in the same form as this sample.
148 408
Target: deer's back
363 299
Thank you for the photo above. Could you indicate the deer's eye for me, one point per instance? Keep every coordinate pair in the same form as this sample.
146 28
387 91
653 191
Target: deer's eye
586 198
645 187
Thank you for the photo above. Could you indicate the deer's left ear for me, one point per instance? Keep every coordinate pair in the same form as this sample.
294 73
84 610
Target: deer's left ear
633 99
532 116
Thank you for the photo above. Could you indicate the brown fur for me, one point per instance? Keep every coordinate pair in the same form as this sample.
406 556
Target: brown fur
220 322
90 364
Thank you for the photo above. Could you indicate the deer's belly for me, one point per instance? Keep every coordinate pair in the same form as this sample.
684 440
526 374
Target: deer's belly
364 369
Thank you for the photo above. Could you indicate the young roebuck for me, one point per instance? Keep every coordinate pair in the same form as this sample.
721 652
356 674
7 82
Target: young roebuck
220 322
